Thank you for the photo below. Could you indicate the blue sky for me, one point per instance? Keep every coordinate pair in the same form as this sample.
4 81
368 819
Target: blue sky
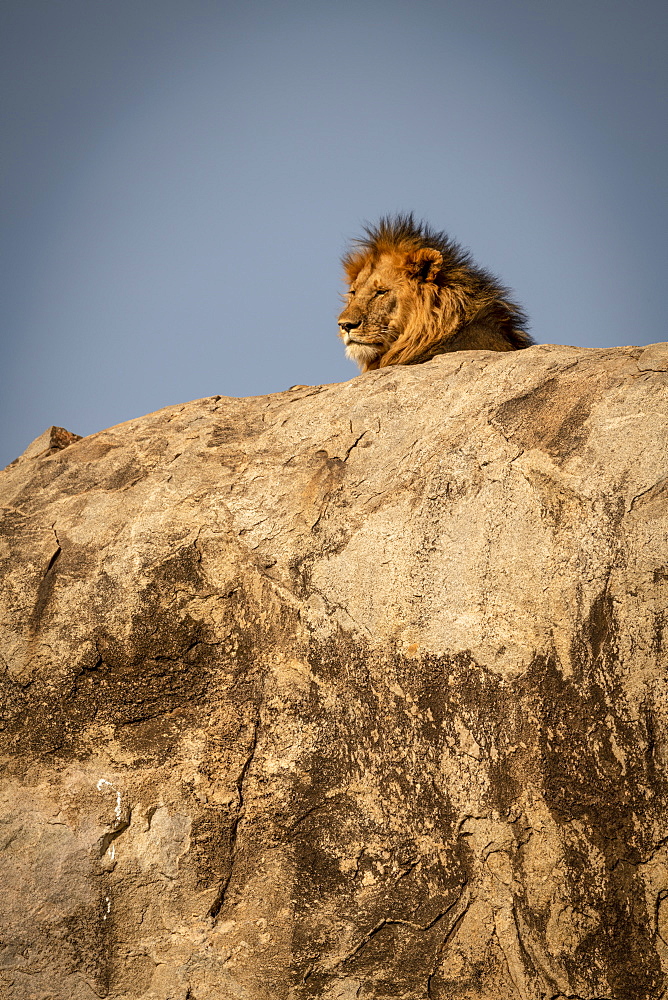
180 178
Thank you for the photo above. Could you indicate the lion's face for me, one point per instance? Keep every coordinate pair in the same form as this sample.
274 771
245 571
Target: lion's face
368 323
380 300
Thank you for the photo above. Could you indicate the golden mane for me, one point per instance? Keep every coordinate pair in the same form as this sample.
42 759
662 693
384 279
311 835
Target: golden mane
441 300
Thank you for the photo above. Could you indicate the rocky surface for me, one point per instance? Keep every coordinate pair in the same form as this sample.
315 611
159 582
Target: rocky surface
353 691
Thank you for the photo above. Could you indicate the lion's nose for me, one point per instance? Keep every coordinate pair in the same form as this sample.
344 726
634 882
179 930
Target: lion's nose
347 325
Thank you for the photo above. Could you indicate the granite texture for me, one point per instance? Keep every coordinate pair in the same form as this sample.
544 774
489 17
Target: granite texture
352 691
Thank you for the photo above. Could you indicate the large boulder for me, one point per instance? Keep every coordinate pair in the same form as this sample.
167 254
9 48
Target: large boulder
352 691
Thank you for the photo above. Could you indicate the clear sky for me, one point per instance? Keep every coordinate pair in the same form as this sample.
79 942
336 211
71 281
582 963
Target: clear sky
180 178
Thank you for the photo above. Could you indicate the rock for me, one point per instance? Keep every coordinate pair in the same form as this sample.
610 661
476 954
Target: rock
53 439
352 691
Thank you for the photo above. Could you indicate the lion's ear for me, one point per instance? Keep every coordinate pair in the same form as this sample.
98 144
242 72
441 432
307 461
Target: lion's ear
423 264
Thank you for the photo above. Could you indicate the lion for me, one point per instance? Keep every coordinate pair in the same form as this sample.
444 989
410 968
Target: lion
415 293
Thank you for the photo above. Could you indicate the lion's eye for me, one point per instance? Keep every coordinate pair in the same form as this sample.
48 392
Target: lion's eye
380 291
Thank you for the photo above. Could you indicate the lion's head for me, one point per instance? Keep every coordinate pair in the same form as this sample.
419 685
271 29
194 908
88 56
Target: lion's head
414 293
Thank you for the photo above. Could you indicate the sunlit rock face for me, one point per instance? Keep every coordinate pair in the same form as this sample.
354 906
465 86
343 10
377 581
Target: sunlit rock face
352 691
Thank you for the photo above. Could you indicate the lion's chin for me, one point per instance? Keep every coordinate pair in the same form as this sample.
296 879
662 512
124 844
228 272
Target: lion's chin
362 354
